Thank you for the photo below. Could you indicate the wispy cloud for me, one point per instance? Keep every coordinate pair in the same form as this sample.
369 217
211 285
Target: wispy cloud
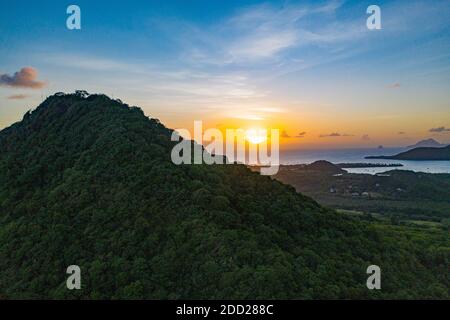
301 134
25 78
183 84
263 33
284 134
91 63
439 130
335 134
248 117
262 46
394 85
17 96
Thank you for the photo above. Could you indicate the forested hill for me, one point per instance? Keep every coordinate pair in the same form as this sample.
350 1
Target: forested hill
88 181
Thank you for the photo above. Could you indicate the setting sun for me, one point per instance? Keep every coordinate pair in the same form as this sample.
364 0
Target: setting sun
256 136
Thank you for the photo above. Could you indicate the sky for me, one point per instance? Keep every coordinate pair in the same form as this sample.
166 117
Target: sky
311 69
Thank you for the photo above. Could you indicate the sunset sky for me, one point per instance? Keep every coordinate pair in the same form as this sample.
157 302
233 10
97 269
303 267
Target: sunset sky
309 68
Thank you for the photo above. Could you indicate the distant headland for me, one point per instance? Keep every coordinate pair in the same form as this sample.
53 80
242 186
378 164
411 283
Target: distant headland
419 154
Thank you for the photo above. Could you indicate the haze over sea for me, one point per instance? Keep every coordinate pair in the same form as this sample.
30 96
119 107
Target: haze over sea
357 156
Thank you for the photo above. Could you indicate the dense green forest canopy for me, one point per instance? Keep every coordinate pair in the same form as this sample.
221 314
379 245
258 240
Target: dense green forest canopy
88 180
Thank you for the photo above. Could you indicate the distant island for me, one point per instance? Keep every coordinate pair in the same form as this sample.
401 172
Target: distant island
423 153
427 143
331 168
368 165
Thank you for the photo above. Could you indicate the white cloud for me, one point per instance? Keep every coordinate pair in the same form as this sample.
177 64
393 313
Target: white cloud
263 45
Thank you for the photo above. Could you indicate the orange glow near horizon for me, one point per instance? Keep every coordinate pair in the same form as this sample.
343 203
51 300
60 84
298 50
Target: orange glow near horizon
256 135
315 131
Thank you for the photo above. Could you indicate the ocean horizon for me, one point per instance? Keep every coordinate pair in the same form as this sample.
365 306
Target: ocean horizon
357 155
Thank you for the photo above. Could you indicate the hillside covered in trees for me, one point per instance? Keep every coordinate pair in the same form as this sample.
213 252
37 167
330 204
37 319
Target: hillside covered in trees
87 180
